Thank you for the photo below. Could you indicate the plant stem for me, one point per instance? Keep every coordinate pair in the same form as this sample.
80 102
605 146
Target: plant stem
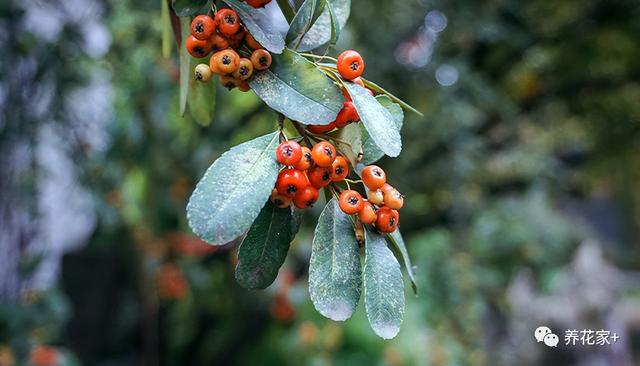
302 133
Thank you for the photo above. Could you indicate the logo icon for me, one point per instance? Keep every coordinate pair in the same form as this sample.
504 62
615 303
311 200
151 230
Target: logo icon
544 334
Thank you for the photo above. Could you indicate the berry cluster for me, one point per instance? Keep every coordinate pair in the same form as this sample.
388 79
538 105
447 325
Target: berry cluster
382 203
236 54
307 170
350 65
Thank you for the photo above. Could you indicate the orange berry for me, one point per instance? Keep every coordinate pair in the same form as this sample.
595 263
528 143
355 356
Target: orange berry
373 177
289 153
348 114
290 181
281 201
229 82
306 161
393 199
227 61
387 220
350 201
219 42
197 48
202 27
228 22
306 197
367 214
323 154
320 129
319 177
350 64
339 169
261 59
245 69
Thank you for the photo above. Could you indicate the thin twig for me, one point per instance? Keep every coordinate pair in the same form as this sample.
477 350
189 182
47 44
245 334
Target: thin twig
302 133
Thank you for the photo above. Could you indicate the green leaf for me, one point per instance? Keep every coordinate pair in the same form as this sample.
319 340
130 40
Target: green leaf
336 28
265 248
377 88
166 28
352 145
376 119
320 33
185 65
234 189
185 8
202 102
294 87
383 289
302 22
286 9
335 276
396 240
260 25
296 220
371 151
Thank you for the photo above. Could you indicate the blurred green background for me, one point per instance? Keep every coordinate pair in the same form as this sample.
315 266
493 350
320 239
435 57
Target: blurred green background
523 203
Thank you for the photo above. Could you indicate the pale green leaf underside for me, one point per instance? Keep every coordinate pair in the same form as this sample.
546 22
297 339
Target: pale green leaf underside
397 241
353 136
260 25
320 32
376 119
335 276
265 247
383 288
234 189
371 151
294 87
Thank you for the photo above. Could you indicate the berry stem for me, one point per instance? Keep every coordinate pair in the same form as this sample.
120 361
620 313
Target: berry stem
319 57
302 133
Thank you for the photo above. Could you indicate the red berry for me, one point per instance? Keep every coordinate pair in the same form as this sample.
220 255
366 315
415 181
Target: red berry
387 220
367 214
373 177
350 64
289 153
290 181
320 129
323 154
306 197
228 22
339 169
197 48
319 177
306 161
203 27
350 202
347 115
